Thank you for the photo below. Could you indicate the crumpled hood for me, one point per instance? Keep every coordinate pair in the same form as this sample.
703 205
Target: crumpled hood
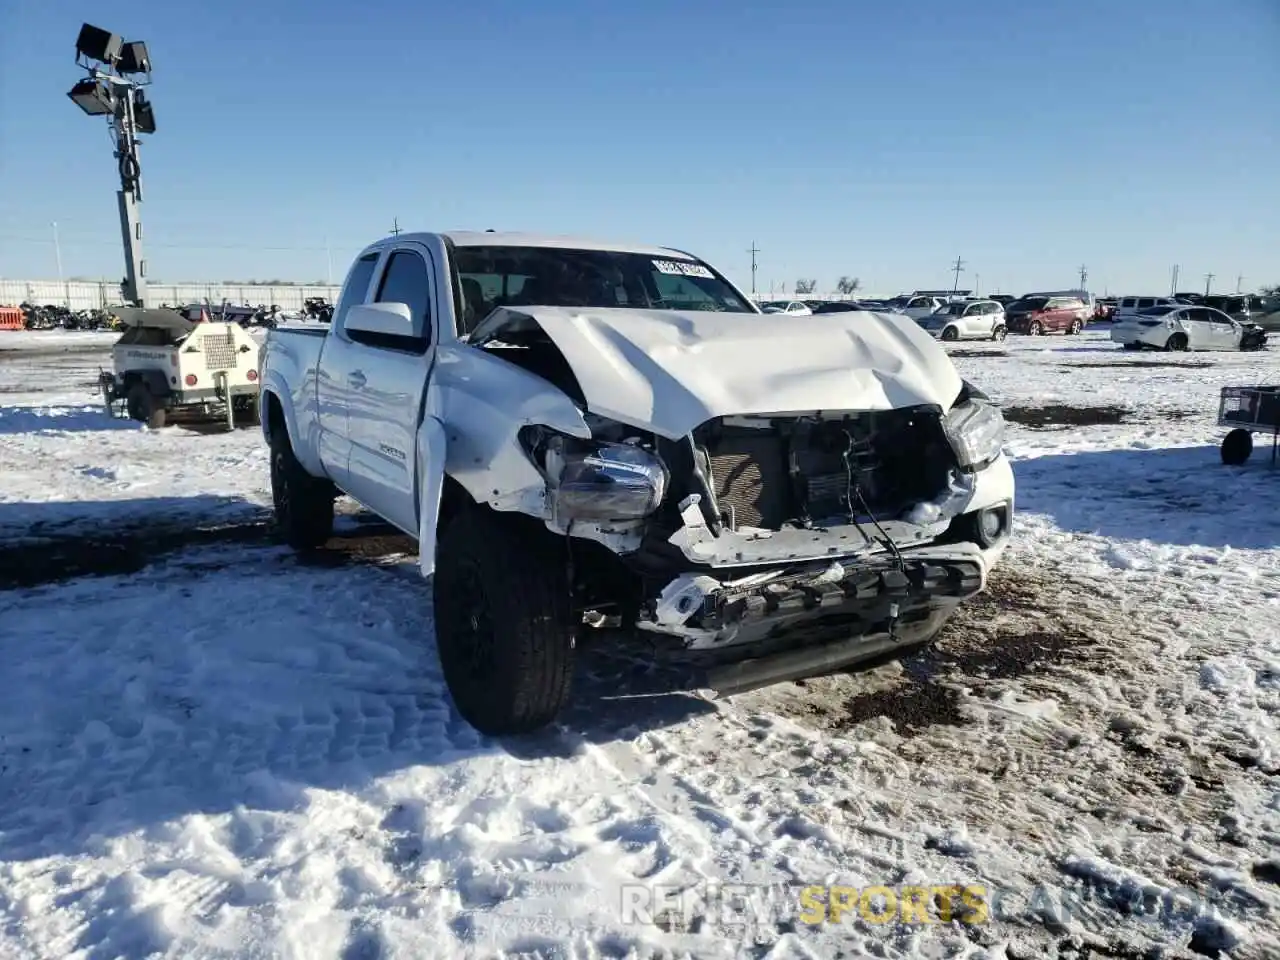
668 371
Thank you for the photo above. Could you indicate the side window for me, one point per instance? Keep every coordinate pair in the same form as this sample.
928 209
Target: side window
405 280
354 290
1145 302
1217 316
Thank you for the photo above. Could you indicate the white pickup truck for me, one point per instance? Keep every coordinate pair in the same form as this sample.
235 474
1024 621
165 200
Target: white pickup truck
582 433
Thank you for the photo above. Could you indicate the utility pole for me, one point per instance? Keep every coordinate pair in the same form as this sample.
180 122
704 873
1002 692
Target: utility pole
57 255
1084 278
1208 282
1173 284
1239 282
977 284
57 250
395 227
957 269
753 251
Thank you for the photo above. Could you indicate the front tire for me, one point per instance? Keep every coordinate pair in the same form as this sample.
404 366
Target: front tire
1075 328
504 626
303 504
1036 328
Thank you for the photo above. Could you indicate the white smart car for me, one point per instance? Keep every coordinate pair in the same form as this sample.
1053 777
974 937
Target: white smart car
1185 327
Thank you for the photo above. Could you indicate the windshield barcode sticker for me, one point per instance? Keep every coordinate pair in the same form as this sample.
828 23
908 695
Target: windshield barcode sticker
682 268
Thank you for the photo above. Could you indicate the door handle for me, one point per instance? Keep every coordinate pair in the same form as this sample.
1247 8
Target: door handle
356 379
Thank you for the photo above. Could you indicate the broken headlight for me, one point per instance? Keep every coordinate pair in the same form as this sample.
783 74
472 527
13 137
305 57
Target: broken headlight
975 429
596 479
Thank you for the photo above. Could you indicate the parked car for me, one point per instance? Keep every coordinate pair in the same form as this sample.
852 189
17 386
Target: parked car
1195 299
1038 315
967 320
1104 308
1180 327
916 307
839 306
792 308
1127 306
580 433
1004 299
1264 310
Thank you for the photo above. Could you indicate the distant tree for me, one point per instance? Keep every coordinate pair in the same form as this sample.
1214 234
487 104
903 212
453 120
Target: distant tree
847 285
805 286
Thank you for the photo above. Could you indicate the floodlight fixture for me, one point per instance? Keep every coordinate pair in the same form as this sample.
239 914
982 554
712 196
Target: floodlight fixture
94 97
94 43
144 117
134 58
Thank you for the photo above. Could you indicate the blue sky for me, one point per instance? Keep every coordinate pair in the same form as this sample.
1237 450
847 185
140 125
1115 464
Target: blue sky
880 140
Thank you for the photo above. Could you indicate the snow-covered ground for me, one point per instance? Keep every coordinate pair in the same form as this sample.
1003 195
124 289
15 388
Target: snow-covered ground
211 749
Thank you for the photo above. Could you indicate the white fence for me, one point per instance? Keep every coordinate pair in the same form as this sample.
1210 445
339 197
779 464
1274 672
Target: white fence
92 295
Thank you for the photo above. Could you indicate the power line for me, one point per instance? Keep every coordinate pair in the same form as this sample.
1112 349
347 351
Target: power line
1084 277
753 251
63 241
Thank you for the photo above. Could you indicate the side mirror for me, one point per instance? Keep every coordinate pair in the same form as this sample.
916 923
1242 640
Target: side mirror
393 319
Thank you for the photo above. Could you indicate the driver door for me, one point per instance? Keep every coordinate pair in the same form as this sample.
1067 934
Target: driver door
1223 332
389 379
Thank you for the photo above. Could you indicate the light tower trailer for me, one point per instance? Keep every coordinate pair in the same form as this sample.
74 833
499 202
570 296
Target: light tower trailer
165 364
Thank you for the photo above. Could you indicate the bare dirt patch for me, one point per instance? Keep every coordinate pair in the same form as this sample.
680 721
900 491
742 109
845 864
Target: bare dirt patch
127 550
1021 627
1190 365
1061 415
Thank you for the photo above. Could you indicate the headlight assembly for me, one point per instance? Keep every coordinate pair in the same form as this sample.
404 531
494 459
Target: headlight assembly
975 429
594 479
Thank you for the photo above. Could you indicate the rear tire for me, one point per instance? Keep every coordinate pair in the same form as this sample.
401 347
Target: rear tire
1236 447
950 334
999 333
1176 343
144 407
303 503
504 625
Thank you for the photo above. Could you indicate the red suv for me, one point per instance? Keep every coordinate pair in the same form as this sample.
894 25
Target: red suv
1037 315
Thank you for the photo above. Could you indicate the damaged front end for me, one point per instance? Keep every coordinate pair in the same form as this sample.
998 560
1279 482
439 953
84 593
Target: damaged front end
862 528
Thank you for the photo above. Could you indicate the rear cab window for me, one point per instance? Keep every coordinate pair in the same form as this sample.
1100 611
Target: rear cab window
355 289
405 279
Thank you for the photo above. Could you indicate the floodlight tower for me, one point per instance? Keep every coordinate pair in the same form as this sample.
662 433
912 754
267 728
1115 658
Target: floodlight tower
116 73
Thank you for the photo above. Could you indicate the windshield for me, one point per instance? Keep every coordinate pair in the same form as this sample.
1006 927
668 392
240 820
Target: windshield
491 277
1157 311
1029 303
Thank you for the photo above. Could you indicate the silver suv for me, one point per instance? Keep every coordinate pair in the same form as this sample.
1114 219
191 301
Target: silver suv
967 320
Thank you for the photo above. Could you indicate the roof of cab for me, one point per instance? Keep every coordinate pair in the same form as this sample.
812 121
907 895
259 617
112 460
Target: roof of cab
475 238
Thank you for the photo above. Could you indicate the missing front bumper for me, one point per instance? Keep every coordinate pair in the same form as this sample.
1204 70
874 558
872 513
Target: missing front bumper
858 596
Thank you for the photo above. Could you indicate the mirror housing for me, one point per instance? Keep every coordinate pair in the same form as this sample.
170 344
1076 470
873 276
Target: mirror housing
391 319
